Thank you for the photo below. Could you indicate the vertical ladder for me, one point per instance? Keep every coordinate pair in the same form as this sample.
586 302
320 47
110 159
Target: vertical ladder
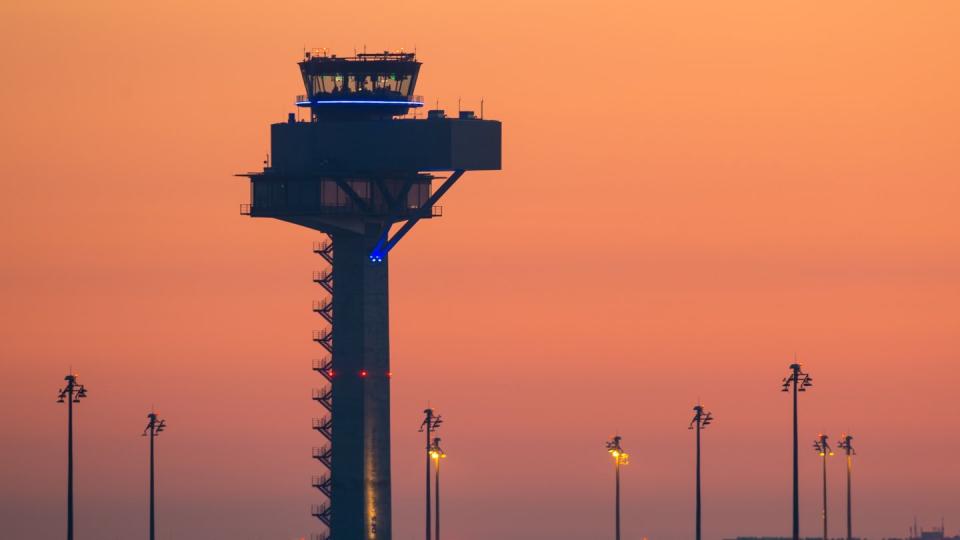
324 395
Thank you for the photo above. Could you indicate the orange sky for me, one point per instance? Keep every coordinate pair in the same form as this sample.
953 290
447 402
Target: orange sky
692 192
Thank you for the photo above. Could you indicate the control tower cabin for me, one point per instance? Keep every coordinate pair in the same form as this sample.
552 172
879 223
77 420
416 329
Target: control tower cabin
365 177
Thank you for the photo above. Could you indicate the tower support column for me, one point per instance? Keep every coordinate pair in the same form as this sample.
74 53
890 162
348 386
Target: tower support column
360 474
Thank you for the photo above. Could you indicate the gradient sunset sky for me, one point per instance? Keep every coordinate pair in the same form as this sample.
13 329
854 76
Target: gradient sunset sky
692 193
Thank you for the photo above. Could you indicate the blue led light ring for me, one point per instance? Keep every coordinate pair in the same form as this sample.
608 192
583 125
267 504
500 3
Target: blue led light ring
359 102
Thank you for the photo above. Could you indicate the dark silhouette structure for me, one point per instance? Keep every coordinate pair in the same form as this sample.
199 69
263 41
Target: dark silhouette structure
799 382
354 171
619 458
822 445
72 393
154 427
846 444
701 419
436 453
431 422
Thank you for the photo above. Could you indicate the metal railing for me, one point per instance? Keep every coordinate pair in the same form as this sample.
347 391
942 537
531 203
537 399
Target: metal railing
347 208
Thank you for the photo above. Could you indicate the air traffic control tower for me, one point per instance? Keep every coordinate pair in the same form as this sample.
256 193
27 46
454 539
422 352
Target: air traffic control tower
363 175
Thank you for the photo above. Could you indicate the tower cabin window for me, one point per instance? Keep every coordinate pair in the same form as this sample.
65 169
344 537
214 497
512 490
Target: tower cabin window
390 76
384 84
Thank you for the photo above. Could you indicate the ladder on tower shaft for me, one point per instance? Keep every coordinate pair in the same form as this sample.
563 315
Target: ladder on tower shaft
324 308
324 455
325 279
324 396
324 366
325 338
321 512
324 249
322 483
325 426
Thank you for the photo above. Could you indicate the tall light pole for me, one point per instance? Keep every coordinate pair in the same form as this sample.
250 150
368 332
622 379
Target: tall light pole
72 393
846 445
822 445
701 419
799 382
154 427
436 453
431 422
619 458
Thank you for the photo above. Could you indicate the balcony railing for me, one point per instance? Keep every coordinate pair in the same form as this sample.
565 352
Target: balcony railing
271 210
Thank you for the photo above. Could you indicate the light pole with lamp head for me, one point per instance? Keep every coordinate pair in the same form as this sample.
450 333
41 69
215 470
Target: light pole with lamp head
822 445
846 445
798 381
72 393
619 458
153 429
436 454
701 419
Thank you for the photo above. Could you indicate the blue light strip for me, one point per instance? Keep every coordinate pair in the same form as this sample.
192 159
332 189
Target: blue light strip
359 102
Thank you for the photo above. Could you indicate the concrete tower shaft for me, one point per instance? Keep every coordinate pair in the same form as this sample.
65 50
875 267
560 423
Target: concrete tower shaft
358 174
361 390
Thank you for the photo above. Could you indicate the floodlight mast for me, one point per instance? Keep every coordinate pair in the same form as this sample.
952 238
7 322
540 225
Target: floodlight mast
72 393
153 429
846 445
822 446
431 422
798 381
619 458
701 419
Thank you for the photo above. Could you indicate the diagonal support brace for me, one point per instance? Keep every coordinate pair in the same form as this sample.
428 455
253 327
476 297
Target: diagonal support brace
384 245
357 200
